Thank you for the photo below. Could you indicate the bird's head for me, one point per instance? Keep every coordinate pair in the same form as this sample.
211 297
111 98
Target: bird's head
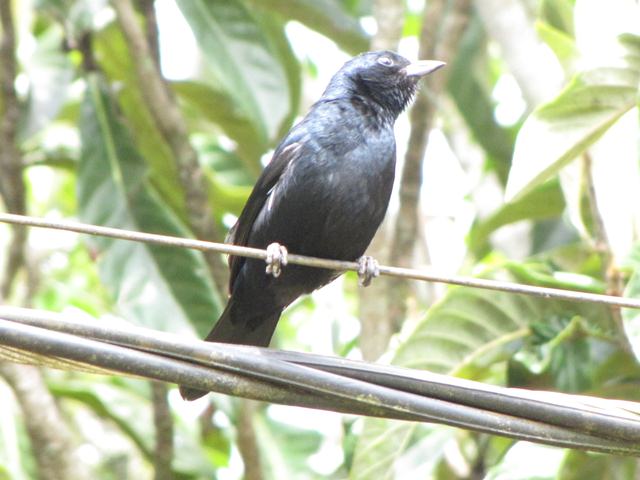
385 77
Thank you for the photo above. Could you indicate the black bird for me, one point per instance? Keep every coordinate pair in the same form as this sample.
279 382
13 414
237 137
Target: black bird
324 194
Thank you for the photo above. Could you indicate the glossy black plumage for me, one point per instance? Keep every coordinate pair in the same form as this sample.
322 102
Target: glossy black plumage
324 193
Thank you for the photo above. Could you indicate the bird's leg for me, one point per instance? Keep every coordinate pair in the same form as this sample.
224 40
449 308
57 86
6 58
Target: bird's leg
276 259
368 269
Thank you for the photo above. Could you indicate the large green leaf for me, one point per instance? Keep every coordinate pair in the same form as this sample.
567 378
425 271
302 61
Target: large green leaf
244 60
465 327
204 103
564 128
160 287
212 103
472 334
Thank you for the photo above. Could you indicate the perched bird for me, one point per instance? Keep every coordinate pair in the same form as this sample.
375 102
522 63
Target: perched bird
324 194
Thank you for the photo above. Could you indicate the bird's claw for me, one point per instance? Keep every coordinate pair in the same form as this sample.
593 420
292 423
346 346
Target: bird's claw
368 269
276 259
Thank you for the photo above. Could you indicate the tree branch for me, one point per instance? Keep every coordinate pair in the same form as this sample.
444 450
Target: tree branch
11 183
52 444
168 117
610 271
163 423
148 10
247 441
439 39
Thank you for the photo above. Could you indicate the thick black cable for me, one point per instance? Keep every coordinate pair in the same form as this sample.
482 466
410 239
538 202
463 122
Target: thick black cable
371 398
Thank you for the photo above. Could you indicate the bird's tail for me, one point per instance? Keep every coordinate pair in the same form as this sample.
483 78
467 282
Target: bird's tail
234 327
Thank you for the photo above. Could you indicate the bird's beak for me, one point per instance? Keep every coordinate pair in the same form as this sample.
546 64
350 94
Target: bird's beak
422 68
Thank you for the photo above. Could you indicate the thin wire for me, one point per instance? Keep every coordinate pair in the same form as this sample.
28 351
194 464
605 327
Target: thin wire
426 275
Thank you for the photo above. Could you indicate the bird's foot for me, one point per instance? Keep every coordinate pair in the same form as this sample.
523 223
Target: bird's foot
368 269
276 259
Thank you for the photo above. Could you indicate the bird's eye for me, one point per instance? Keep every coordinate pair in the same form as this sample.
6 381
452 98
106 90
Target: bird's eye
386 61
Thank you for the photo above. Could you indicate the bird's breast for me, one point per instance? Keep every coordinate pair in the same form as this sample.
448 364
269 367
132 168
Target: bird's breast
333 196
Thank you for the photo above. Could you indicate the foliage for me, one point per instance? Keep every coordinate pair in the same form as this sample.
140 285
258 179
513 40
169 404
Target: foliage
567 167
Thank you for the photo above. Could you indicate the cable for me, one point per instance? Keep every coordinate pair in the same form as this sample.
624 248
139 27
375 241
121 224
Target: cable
312 381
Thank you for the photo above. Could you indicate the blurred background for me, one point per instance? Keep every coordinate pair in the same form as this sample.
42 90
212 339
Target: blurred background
519 161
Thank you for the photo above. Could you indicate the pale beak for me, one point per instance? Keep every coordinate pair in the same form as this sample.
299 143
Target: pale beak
422 67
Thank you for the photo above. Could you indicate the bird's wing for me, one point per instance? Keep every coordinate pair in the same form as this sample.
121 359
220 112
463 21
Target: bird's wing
239 233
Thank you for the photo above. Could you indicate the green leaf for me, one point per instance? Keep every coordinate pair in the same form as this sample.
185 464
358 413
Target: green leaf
244 60
160 287
562 44
545 201
542 274
214 104
203 102
561 130
467 326
226 166
559 356
558 14
226 197
229 182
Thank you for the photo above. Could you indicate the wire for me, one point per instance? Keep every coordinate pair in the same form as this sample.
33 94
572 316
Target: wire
426 275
